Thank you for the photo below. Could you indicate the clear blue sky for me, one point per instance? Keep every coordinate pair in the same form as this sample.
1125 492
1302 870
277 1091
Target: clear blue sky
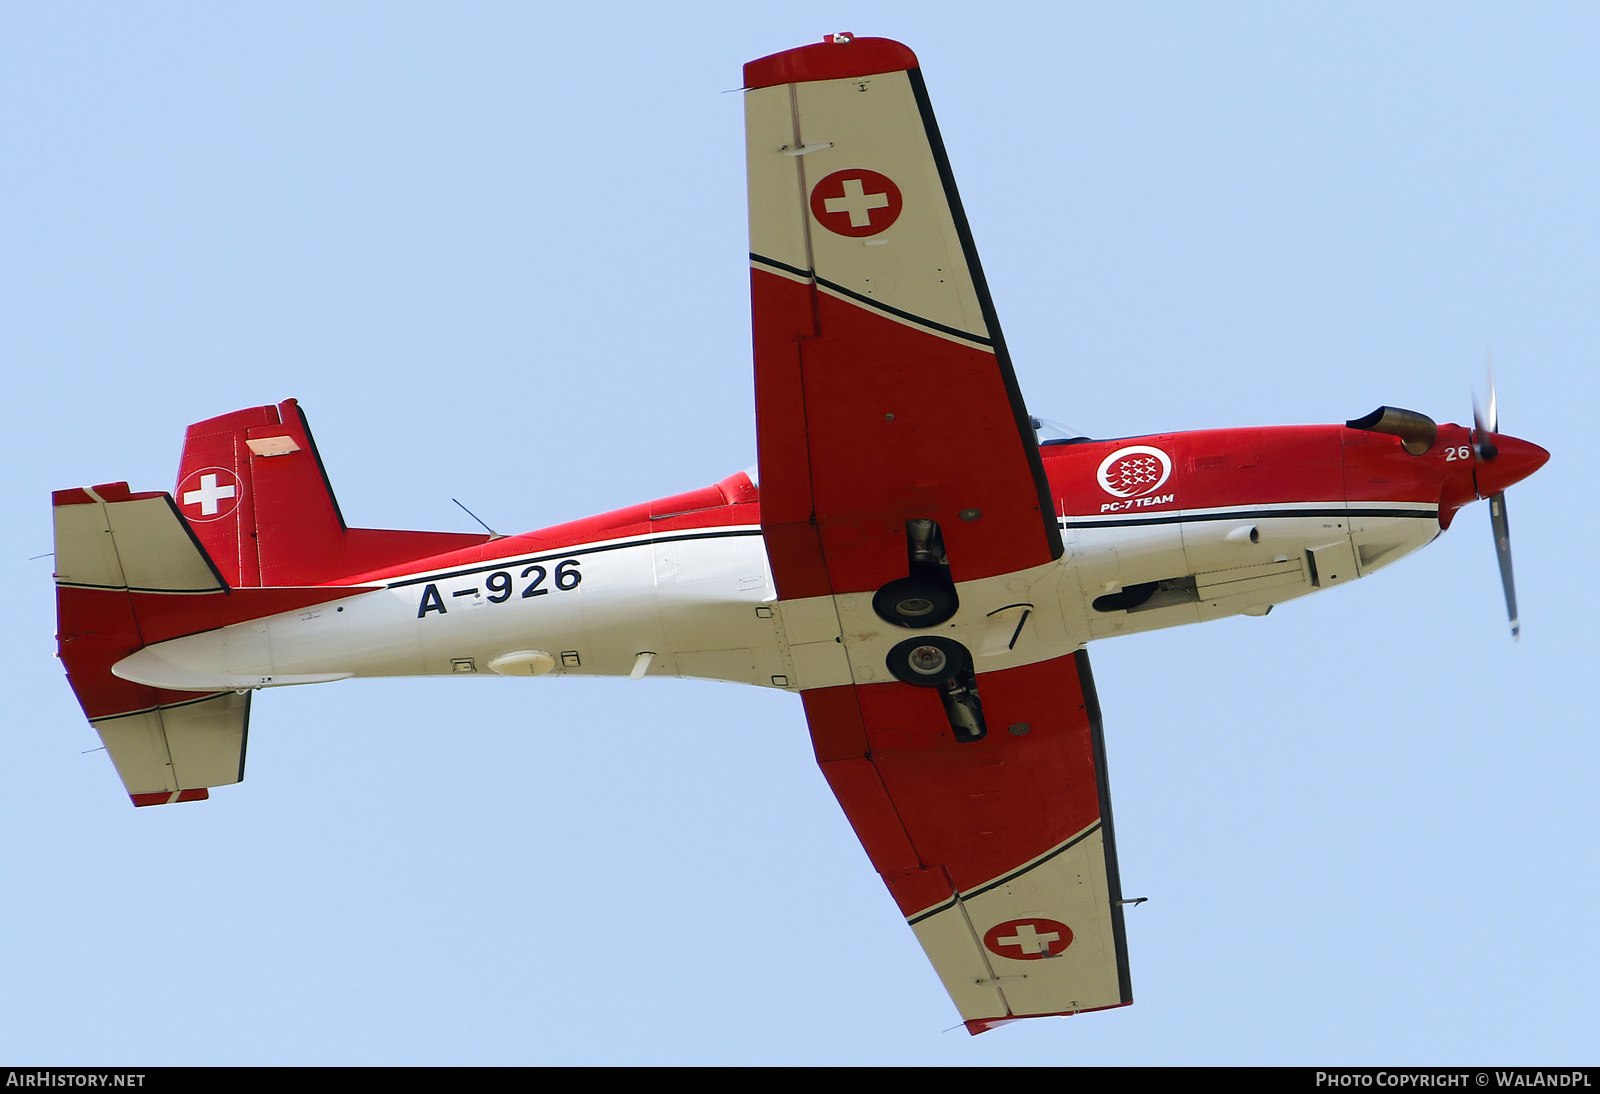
497 251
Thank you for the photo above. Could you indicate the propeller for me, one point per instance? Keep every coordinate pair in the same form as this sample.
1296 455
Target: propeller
1499 461
1487 451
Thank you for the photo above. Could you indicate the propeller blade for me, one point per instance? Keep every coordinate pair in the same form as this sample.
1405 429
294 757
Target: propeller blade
1502 550
1521 459
1481 430
1494 413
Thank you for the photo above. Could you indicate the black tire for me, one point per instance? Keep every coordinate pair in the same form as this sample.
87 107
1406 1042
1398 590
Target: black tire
929 661
915 602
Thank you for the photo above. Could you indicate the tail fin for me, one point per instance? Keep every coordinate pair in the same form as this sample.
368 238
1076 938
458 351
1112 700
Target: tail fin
254 531
130 572
253 488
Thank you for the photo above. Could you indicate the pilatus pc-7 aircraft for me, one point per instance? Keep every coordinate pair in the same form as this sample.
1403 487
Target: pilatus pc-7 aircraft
916 557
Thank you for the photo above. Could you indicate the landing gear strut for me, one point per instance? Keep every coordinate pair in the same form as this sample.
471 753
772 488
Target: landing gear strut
927 596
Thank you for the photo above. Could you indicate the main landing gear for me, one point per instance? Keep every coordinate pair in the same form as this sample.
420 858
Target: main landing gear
915 602
925 598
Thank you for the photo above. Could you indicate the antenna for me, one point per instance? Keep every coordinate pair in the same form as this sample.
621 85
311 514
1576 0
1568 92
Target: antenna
492 533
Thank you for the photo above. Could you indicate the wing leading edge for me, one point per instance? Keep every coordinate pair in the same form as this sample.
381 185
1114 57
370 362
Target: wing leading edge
885 395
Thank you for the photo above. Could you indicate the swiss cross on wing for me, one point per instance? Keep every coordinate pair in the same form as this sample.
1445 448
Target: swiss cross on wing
1028 939
856 202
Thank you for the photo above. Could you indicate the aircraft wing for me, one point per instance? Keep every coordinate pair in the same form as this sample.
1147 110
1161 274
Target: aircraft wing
884 395
999 853
883 388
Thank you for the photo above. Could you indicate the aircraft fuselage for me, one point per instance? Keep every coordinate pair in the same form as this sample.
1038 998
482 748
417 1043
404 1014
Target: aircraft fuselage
1158 531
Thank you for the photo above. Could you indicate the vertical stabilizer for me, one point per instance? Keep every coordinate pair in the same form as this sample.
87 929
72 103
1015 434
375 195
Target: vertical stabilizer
253 488
256 470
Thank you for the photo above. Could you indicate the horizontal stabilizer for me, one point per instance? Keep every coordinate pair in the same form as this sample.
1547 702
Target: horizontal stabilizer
131 573
173 753
110 538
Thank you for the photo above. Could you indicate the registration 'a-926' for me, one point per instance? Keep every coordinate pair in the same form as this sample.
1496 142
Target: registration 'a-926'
502 587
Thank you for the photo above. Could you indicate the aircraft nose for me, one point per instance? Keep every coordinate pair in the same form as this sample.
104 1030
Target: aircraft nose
1515 460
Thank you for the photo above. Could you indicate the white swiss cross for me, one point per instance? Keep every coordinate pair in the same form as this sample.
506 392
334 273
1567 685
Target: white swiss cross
208 495
857 203
1029 940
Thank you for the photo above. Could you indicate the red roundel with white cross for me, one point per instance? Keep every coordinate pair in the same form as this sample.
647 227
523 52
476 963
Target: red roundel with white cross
1134 471
1028 939
210 493
856 202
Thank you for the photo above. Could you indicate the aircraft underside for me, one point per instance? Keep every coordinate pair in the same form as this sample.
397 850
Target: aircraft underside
703 605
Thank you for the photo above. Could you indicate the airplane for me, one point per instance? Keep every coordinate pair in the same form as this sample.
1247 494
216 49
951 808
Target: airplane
915 555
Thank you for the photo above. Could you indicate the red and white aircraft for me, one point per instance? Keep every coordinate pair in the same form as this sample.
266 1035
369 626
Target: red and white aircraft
917 563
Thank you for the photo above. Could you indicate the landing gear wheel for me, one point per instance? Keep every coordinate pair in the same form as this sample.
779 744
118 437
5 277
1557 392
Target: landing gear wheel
915 602
928 662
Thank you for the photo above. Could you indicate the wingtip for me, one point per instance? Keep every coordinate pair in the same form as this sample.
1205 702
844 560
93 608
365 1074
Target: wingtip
168 797
836 57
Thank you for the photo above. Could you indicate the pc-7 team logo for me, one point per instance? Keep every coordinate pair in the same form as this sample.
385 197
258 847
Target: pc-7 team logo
1135 473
